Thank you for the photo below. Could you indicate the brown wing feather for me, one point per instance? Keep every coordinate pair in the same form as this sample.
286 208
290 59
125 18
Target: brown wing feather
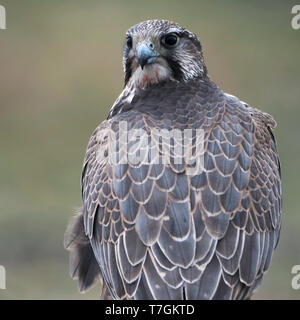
159 233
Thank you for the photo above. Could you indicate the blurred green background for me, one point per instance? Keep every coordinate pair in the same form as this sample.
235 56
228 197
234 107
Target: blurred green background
60 72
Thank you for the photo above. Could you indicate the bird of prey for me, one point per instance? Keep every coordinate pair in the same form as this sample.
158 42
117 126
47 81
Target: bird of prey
155 225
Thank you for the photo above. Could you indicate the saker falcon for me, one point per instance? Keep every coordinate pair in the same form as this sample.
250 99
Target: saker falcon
156 229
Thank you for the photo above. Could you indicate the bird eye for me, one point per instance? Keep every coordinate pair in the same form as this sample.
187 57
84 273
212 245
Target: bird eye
170 40
129 42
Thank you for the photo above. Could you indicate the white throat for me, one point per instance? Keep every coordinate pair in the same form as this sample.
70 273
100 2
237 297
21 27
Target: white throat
151 74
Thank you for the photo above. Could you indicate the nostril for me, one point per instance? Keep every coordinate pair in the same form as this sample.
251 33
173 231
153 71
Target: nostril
151 45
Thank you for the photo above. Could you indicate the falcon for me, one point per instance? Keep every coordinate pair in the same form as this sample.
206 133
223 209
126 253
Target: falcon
181 184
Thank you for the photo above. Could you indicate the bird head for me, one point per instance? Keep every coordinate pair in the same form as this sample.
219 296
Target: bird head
159 50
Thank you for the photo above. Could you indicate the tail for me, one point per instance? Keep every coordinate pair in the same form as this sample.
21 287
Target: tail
83 264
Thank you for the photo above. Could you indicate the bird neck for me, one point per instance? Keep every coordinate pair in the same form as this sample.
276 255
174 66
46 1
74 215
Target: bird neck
131 94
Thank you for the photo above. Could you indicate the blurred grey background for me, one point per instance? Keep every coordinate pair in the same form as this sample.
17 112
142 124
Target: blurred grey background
60 72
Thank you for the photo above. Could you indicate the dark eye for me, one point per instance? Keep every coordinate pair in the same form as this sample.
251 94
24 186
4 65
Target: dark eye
129 42
170 40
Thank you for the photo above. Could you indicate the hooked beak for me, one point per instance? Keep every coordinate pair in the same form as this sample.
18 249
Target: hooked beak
146 53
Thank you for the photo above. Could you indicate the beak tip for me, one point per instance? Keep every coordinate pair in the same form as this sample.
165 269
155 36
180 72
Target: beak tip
143 62
142 65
